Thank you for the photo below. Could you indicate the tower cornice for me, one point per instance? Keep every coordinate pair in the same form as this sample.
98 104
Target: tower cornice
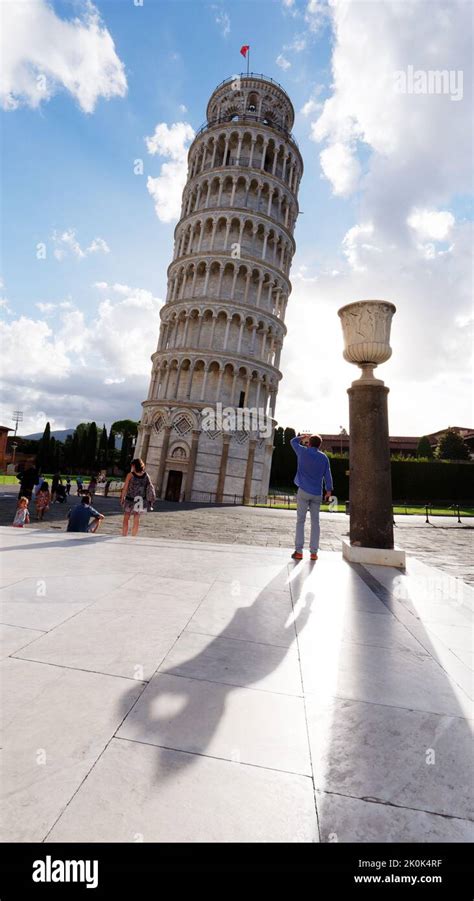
213 302
244 123
239 210
221 357
223 255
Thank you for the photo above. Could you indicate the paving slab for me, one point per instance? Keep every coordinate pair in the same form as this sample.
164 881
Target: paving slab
397 755
136 793
117 642
257 727
14 638
343 819
235 662
55 724
159 689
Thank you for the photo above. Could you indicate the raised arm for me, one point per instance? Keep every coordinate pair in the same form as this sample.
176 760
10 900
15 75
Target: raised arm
295 444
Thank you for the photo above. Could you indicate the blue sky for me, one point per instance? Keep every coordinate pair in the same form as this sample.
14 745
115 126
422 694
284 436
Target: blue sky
81 172
68 168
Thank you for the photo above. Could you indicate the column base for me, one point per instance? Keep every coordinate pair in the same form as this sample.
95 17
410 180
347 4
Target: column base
378 556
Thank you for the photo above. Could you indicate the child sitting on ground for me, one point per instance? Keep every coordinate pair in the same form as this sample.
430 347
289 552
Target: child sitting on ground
22 517
42 500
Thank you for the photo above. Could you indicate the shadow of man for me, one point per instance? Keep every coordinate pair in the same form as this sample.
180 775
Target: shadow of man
171 713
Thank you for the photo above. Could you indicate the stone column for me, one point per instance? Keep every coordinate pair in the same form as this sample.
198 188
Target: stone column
191 465
222 469
249 470
163 456
145 443
366 329
371 520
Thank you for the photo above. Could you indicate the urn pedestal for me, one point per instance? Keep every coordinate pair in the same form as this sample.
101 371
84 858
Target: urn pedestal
366 329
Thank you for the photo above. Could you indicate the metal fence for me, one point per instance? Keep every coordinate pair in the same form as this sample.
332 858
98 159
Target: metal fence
455 509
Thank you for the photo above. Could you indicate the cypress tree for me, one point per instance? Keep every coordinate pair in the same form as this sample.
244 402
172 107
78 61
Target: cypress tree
91 446
44 449
103 448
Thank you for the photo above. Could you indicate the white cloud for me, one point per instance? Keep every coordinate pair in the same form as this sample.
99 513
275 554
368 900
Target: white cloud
435 224
356 245
182 108
316 14
290 8
283 62
418 146
313 104
341 168
98 245
222 19
42 53
429 373
166 189
66 364
299 43
170 140
408 157
45 308
67 241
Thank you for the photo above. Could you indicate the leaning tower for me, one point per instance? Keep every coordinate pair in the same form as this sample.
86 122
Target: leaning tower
223 323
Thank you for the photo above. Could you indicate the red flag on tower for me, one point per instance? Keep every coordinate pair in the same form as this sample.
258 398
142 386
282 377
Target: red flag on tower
245 51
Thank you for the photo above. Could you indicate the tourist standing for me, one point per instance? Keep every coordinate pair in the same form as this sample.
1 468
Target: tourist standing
22 517
137 495
42 500
28 479
57 481
92 488
68 486
313 469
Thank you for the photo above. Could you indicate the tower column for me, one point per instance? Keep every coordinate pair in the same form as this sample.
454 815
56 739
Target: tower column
164 454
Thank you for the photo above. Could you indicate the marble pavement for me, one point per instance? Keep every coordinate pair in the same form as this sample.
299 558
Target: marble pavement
161 690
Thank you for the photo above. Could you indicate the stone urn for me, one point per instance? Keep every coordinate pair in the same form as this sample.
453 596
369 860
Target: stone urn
366 330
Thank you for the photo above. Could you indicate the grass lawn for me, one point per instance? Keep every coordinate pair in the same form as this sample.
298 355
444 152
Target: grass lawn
341 508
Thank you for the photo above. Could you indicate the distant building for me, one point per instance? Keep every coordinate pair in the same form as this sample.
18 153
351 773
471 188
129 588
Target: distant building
4 430
10 455
406 445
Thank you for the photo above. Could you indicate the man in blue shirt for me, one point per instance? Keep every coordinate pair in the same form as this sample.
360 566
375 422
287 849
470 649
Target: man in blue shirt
313 469
80 515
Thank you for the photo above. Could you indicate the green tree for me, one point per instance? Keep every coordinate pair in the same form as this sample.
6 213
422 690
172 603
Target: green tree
112 454
44 449
424 448
289 457
80 442
125 427
128 429
103 454
91 446
51 461
452 446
